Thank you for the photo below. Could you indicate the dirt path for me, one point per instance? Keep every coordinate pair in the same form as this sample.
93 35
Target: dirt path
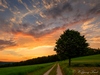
47 73
59 70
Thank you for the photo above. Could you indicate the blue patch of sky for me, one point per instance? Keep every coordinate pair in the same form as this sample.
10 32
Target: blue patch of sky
29 19
6 14
20 6
2 7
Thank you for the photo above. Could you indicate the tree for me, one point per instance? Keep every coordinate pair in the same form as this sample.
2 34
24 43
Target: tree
71 44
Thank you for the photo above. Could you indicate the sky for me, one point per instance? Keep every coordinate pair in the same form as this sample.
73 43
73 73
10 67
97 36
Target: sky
30 28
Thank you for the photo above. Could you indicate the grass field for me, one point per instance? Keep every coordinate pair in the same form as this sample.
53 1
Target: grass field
26 70
91 58
87 65
40 71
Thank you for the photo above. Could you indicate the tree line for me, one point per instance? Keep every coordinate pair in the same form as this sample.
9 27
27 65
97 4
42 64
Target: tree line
47 59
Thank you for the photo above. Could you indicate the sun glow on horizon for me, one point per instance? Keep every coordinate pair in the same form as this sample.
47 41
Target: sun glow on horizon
25 54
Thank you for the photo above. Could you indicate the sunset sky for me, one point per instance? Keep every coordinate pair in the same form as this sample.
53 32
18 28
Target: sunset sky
30 28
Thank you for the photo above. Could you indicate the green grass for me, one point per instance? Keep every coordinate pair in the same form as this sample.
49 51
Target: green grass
90 62
65 69
25 70
41 71
54 70
92 58
87 63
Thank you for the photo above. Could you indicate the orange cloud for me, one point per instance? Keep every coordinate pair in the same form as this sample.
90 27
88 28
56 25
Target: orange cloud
46 39
95 39
95 45
9 57
24 53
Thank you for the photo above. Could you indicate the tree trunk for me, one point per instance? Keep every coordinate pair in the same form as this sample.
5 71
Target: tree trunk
69 62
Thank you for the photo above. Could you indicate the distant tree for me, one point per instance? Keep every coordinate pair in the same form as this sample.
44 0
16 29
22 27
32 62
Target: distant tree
71 44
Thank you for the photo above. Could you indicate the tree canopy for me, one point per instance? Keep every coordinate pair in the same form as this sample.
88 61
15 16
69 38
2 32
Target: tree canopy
71 44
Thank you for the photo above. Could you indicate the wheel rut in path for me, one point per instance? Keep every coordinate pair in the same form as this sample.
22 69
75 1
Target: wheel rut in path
47 73
59 70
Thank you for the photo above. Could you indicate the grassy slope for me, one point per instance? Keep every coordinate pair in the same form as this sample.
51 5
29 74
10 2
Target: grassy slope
23 70
92 58
41 68
80 61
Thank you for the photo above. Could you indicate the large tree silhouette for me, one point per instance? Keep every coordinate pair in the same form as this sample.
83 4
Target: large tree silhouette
71 44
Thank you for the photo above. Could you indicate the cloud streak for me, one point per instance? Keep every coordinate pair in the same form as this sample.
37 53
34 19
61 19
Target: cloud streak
58 9
6 43
95 9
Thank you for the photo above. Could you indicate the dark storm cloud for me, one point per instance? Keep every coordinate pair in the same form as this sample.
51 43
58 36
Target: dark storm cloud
36 31
37 27
6 43
29 29
58 9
